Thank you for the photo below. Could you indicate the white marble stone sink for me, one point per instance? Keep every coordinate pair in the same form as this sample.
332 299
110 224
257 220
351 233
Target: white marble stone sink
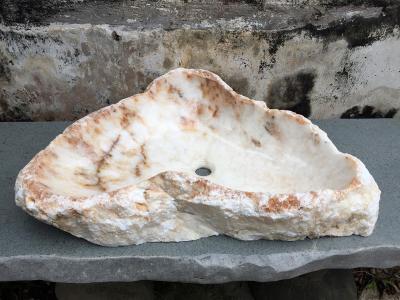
129 173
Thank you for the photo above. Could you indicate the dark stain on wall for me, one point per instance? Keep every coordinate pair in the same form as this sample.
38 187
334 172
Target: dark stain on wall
28 11
115 36
291 92
276 40
13 113
263 66
26 39
367 112
167 64
5 73
358 31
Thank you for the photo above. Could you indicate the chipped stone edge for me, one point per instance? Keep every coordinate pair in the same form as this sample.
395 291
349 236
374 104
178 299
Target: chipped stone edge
213 268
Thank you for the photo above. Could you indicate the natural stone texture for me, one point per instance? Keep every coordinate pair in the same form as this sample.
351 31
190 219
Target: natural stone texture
324 62
32 250
127 174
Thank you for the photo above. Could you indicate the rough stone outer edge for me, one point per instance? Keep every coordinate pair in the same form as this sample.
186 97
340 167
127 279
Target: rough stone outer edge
213 268
27 188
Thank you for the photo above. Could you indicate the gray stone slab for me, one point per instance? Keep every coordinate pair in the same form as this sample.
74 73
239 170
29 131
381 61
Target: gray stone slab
31 250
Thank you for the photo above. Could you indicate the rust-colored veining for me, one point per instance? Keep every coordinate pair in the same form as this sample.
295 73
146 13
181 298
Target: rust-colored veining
142 207
200 187
72 140
137 171
150 94
97 130
188 124
144 163
143 153
103 160
354 182
237 112
173 90
340 194
253 197
211 90
215 110
299 119
200 109
275 205
128 115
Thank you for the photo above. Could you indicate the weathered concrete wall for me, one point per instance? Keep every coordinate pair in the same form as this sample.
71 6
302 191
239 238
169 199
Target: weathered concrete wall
323 62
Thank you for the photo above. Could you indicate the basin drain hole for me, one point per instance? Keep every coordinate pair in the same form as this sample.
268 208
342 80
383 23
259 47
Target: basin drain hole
203 171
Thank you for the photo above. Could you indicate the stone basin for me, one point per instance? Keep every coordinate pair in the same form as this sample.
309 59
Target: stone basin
33 250
190 158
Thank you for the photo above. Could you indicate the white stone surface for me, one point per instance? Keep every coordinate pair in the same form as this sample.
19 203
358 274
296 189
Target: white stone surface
126 173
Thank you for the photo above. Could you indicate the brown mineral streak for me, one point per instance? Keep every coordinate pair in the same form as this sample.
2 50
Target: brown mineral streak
199 109
173 90
299 119
137 171
142 206
128 116
256 142
103 160
215 113
188 124
354 182
52 154
144 155
272 128
316 139
97 130
275 205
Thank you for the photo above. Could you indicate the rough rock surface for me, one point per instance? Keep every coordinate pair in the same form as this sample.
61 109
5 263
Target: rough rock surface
322 61
116 177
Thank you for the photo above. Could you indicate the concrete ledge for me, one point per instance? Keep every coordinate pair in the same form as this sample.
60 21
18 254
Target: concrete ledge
31 250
